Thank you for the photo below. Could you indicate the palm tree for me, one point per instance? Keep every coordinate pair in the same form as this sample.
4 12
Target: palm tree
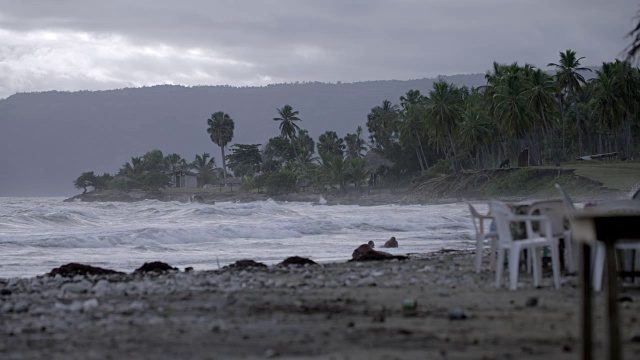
204 167
220 131
570 80
627 81
475 131
509 105
539 97
412 97
411 130
634 34
540 105
331 143
356 169
443 117
132 169
175 163
287 118
355 144
382 123
333 168
606 106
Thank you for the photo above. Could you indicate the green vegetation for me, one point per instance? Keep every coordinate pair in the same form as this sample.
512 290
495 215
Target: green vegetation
623 176
556 116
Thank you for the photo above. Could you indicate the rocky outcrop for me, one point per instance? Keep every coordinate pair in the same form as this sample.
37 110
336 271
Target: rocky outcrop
391 243
73 269
364 252
245 264
155 267
297 260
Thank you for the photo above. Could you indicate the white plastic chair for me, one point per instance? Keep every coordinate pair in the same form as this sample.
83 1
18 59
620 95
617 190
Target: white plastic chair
483 233
503 218
554 210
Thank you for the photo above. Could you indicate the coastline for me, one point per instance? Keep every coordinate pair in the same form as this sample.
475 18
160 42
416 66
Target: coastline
335 310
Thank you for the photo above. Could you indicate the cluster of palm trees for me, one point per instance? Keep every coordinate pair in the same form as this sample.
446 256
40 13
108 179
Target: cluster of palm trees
556 116
339 161
154 171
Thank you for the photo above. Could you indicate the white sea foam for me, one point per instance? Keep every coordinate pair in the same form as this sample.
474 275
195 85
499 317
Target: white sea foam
37 234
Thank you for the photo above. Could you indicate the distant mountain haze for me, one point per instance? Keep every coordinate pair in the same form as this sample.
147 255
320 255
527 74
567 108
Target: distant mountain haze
48 139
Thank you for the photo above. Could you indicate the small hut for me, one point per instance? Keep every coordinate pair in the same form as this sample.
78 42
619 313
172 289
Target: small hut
373 162
230 182
184 179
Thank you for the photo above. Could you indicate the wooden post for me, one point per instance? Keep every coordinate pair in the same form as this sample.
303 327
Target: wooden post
587 323
612 301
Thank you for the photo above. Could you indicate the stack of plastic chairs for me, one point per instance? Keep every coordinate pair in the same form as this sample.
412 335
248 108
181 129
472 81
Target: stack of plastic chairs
554 210
483 232
532 242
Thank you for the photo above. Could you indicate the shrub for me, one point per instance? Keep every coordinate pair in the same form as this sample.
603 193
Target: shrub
280 182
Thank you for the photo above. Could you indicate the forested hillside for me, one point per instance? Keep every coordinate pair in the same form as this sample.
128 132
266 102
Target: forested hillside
47 139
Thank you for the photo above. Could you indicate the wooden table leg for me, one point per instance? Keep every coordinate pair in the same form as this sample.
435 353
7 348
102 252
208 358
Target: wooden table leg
587 324
612 301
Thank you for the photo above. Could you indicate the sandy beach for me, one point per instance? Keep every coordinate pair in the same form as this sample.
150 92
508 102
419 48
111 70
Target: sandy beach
327 311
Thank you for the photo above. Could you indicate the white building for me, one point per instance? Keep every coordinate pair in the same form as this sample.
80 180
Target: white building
184 179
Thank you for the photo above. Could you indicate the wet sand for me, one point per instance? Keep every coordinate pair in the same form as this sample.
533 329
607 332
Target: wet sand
328 311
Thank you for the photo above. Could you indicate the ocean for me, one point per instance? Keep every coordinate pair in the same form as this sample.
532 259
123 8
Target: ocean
39 234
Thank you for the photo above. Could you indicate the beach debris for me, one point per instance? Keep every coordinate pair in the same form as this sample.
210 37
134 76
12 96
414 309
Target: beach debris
297 260
270 353
531 301
456 313
89 305
391 243
79 287
245 264
20 307
197 198
379 317
365 253
155 266
73 269
409 307
217 326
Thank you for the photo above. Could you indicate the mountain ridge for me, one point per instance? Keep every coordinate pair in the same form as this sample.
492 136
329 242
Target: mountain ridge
47 139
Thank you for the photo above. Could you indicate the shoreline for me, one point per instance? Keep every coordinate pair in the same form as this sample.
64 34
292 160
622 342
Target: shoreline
336 310
369 197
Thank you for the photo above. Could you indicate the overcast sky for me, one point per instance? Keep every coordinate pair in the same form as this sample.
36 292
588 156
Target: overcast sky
87 44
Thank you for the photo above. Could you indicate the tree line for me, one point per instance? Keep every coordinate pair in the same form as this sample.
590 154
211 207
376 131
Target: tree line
555 113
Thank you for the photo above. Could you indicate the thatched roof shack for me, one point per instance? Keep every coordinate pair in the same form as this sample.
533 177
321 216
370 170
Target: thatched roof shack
373 161
230 181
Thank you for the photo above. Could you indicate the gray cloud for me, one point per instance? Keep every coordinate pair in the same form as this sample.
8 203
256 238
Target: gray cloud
73 44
